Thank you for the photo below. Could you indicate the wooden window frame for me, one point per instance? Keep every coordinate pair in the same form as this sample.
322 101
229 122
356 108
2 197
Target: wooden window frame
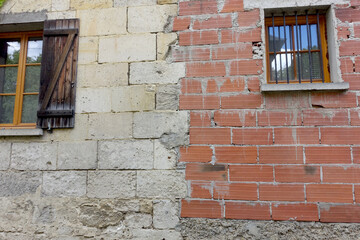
301 20
20 82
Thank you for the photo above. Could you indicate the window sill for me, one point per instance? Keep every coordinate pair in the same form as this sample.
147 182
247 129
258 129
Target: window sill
20 132
305 87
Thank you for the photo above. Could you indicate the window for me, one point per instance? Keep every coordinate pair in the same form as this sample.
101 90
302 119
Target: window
296 49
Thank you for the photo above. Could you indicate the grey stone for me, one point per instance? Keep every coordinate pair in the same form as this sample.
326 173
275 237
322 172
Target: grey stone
77 155
166 214
138 220
167 97
44 214
19 183
123 3
21 132
164 158
150 234
99 215
61 183
5 149
304 87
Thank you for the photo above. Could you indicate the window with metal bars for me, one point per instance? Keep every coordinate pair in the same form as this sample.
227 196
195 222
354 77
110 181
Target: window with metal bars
296 49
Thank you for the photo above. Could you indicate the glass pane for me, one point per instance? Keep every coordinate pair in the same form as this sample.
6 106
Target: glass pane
7 104
32 79
279 41
29 110
281 70
9 51
303 37
305 65
34 50
8 77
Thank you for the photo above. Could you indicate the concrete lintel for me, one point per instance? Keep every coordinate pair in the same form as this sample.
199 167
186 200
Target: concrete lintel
305 87
21 132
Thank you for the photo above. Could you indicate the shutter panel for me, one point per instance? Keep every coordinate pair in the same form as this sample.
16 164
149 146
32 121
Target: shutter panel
58 74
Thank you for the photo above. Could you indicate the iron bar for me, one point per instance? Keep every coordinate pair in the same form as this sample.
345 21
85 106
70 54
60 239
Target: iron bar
273 23
286 57
298 46
320 46
309 44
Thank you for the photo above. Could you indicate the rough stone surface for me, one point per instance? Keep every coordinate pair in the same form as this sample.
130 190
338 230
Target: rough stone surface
90 100
25 6
138 220
167 97
166 1
85 4
123 3
126 154
60 5
77 155
133 98
61 15
164 40
166 214
69 183
88 48
19 183
5 149
164 158
150 234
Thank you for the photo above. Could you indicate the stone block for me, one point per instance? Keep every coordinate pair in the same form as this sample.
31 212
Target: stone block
124 3
166 214
60 5
167 97
19 183
88 50
86 4
164 40
133 98
167 1
150 234
110 126
164 158
126 154
90 100
61 15
22 6
5 149
34 156
149 18
155 124
77 155
156 72
64 183
138 220
161 184
111 184
127 48
94 22
102 75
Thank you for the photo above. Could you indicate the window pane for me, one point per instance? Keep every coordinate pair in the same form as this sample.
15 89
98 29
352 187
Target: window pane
29 110
7 109
281 70
34 51
9 51
279 40
8 77
32 79
305 66
304 38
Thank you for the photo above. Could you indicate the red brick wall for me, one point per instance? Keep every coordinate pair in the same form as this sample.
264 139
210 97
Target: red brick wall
279 156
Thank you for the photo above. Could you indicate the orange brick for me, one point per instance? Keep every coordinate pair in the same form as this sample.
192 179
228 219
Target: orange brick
241 101
356 154
238 51
296 135
206 172
281 192
355 2
333 193
253 84
210 136
340 135
260 136
353 80
357 31
237 36
246 67
208 69
328 155
198 7
343 32
198 38
251 173
318 117
199 102
200 209
340 213
181 23
235 118
277 118
357 193
341 174
233 6
234 84
249 19
200 119
283 155
357 59
297 174
333 99
201 189
290 100
193 54
350 48
191 86
235 191
251 211
297 212
196 154
348 14
219 21
236 154
347 65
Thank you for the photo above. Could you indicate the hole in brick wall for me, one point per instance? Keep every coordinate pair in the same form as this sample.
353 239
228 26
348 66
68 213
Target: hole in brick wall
257 50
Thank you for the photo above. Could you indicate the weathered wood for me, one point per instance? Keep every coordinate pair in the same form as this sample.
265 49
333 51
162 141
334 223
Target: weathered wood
60 32
56 113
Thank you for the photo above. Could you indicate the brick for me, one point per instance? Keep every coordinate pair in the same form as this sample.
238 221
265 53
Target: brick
206 172
348 14
199 102
201 209
181 23
294 174
218 21
234 84
253 136
357 193
246 67
198 7
191 54
251 211
232 6
208 69
340 213
249 19
200 119
297 212
251 173
334 193
236 154
235 118
350 48
328 155
235 191
191 86
281 155
296 135
236 36
355 3
290 100
347 65
357 31
318 117
278 118
357 59
201 189
241 101
198 38
345 174
340 135
238 51
343 32
253 84
281 192
353 80
356 154
210 136
196 154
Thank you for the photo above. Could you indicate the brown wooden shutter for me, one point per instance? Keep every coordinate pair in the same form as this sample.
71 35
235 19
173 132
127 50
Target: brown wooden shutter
58 74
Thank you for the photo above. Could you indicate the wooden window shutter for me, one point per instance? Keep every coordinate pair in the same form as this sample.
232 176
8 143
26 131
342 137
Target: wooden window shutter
58 74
